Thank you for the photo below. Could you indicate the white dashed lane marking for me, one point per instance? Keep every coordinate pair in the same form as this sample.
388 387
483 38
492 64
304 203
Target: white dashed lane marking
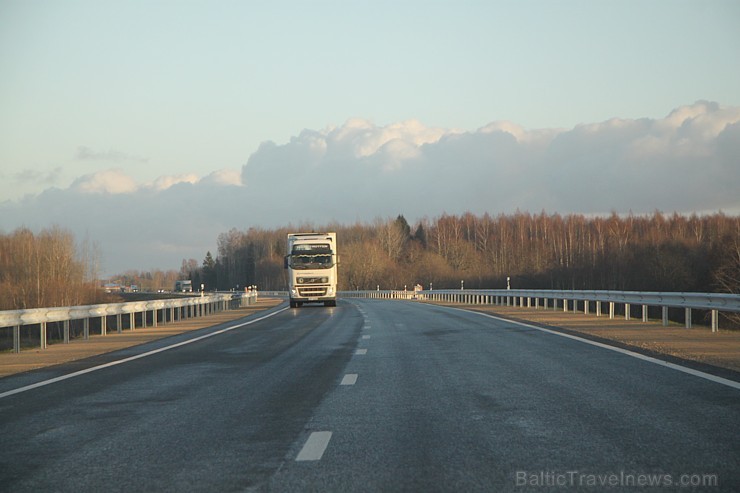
349 379
366 337
315 446
361 351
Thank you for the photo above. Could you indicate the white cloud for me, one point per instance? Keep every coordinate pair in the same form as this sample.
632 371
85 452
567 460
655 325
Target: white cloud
224 177
166 181
363 139
116 181
111 181
684 162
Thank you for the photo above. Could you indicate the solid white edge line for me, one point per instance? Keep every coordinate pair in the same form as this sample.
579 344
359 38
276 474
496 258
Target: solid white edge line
315 446
650 359
132 358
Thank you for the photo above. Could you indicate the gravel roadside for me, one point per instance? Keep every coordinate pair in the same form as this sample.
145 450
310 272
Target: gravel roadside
31 359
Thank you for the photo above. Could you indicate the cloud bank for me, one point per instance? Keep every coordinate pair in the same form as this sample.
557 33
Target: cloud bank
685 162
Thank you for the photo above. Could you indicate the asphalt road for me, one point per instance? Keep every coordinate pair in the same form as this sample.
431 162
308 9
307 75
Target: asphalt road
367 396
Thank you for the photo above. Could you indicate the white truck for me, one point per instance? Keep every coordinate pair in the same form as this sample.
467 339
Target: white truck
183 286
311 263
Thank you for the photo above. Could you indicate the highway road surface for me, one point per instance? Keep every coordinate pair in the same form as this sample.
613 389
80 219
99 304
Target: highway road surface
368 396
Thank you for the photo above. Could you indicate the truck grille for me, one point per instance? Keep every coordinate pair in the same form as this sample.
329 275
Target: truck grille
312 291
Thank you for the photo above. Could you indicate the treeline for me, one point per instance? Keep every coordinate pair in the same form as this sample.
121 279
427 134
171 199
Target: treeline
539 251
46 269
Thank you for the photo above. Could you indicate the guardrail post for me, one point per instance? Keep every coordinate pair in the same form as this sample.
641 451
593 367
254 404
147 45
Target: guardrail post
598 308
715 321
586 308
627 312
611 310
546 303
86 328
154 317
119 323
103 326
687 318
66 331
132 321
565 305
644 313
17 339
42 330
665 316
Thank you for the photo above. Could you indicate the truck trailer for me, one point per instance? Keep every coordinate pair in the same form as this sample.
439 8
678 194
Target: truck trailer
311 264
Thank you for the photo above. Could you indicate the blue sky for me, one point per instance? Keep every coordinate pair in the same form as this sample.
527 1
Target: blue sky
141 95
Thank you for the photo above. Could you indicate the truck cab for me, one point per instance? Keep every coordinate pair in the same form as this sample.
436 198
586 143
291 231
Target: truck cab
311 264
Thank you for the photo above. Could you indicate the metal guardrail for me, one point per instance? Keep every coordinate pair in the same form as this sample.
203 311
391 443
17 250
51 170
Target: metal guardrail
278 294
178 309
713 302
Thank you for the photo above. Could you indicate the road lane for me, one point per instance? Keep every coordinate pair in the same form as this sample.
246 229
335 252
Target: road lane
372 396
448 400
217 415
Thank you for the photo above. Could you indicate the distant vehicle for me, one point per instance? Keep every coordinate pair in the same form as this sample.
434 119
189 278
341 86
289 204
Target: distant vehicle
184 286
134 288
312 268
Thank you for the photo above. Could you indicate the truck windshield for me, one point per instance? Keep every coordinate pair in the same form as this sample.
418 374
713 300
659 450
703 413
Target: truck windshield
307 261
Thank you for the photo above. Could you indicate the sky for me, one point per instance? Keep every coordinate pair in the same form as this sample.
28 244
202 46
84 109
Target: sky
150 127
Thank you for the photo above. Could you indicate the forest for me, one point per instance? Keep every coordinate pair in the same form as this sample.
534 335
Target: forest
47 269
654 252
